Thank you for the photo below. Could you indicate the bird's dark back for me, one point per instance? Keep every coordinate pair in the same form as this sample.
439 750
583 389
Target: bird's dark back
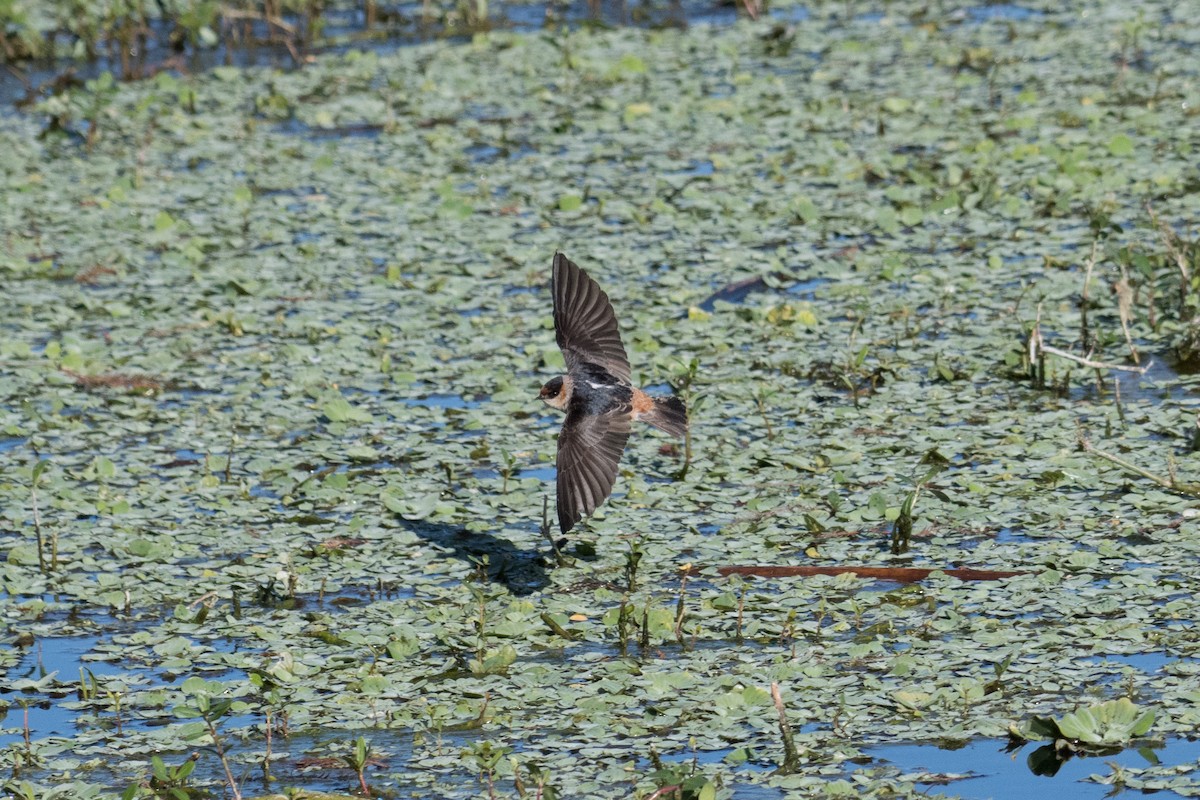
595 391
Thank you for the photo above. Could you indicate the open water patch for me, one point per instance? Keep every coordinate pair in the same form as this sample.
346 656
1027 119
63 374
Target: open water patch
63 686
699 168
487 153
1011 535
807 289
442 401
1001 11
39 718
987 768
32 711
10 444
1148 663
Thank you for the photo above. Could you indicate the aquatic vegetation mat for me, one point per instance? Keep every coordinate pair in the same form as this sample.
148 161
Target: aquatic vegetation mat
274 466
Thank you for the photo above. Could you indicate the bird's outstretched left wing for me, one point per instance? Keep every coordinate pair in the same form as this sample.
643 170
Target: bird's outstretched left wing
589 450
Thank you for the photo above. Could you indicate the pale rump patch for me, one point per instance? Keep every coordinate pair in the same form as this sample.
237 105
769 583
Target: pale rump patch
642 403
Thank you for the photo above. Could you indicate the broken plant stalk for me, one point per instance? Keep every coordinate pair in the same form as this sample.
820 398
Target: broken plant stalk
791 757
559 558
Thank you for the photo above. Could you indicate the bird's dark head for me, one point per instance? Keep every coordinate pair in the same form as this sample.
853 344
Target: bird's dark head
556 392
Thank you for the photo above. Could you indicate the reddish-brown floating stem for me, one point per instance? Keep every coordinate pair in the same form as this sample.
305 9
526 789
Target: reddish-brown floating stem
115 380
899 574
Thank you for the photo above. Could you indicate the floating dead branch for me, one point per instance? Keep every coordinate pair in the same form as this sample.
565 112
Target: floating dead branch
91 275
898 574
116 380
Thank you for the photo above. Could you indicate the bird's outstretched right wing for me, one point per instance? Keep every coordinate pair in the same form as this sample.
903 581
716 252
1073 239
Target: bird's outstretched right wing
585 324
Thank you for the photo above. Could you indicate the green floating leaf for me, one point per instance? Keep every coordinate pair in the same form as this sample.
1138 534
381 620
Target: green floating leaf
1120 145
339 409
886 219
635 110
911 216
22 554
495 664
631 64
725 602
805 209
375 684
403 647
456 207
415 508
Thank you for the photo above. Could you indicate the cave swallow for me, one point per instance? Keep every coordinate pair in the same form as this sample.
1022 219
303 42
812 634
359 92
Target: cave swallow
596 394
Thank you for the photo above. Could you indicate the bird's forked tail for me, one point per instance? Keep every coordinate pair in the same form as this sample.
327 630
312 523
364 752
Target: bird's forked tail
669 414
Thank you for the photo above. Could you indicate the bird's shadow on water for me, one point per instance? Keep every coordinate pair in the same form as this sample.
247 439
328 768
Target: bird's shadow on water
521 571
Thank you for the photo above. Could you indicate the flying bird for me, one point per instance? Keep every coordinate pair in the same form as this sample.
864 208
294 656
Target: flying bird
596 393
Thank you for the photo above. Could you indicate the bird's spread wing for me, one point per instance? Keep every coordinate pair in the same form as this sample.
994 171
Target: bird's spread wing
584 322
589 450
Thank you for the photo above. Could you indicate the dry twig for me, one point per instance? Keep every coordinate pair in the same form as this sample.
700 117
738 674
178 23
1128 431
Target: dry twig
1167 483
1038 347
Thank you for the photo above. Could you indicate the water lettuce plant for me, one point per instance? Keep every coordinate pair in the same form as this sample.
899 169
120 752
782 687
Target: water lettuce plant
1105 725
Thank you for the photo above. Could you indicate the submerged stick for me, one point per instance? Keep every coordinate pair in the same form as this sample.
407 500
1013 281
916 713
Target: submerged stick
899 574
